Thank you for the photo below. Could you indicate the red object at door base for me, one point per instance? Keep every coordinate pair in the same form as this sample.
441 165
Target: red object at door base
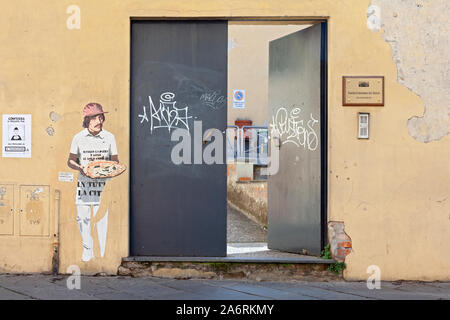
241 123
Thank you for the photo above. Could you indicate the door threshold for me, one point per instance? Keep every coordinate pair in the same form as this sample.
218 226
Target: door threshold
230 259
260 251
300 267
253 252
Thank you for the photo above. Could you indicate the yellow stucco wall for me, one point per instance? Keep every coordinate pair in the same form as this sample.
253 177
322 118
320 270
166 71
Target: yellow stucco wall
391 191
248 66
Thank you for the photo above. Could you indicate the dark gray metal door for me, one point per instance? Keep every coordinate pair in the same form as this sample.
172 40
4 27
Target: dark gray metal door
178 78
295 97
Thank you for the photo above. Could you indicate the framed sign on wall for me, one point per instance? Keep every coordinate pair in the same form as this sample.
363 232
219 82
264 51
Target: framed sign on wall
363 91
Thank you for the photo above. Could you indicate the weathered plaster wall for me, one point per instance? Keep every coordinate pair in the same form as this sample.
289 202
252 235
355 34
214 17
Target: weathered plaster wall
419 34
391 191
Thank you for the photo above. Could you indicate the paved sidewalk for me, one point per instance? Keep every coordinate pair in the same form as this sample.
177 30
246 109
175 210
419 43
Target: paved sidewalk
46 287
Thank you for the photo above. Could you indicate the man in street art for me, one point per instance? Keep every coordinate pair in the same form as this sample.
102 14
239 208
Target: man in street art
16 135
91 144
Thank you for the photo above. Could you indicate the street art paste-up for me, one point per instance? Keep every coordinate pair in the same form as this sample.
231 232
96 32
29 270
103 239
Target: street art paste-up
16 141
93 143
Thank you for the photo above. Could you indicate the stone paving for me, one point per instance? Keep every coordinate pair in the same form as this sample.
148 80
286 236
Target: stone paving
47 287
242 229
247 239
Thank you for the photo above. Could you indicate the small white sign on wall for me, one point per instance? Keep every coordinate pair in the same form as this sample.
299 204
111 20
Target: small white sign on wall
239 98
16 136
65 176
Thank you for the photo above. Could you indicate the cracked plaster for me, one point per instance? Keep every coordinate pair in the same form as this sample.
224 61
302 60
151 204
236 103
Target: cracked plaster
419 33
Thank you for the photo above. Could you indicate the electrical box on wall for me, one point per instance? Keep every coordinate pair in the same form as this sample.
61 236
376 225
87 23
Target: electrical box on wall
6 209
34 210
363 125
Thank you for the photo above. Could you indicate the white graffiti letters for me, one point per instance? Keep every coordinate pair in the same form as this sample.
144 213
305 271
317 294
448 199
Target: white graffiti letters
144 116
290 127
213 99
167 115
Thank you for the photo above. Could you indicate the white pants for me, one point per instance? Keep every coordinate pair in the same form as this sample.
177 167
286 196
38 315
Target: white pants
84 223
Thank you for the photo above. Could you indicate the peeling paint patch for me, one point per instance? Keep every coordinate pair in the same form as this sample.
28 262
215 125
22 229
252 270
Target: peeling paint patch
50 131
54 116
373 18
433 125
419 35
340 242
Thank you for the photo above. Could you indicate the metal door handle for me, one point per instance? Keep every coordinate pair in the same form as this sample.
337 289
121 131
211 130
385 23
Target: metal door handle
278 145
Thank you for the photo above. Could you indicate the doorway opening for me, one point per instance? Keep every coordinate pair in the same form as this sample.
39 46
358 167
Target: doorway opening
257 105
268 78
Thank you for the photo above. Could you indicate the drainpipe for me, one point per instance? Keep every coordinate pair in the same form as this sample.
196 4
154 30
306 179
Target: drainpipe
55 243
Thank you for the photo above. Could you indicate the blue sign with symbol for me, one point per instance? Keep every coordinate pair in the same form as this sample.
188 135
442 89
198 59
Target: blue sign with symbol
239 99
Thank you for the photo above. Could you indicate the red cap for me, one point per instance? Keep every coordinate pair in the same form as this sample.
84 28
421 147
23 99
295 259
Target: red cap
92 109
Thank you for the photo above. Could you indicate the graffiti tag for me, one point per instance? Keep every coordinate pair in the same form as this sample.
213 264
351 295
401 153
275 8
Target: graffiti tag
213 99
166 115
290 127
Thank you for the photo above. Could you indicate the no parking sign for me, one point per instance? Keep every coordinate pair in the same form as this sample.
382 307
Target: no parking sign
239 99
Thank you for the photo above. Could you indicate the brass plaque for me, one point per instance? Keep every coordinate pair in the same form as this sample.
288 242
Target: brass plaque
363 91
